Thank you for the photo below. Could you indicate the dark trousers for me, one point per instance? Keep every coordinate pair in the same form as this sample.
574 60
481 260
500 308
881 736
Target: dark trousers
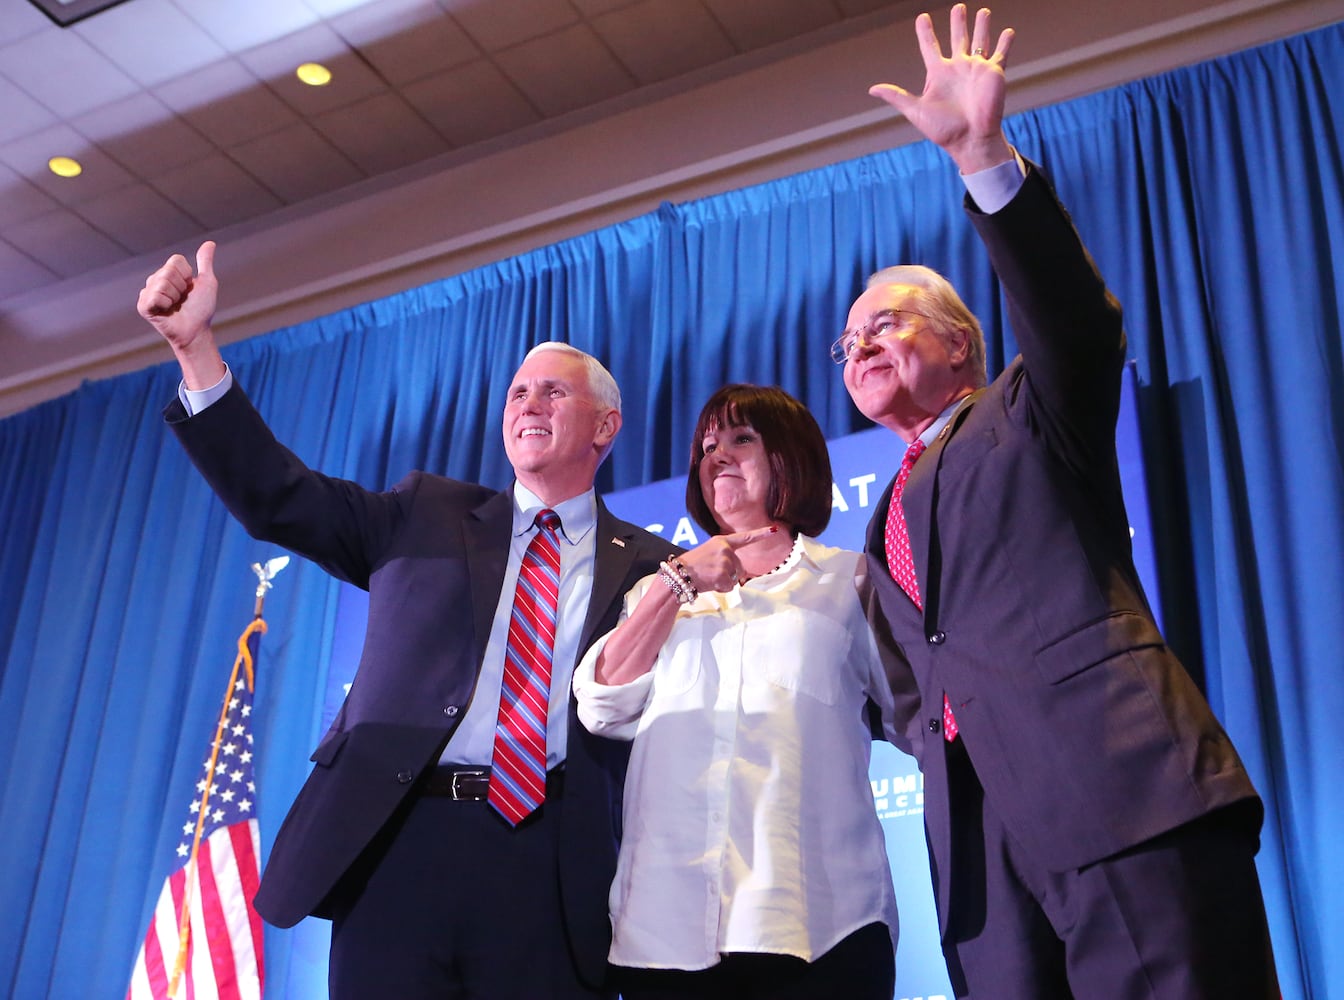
1179 917
860 967
453 904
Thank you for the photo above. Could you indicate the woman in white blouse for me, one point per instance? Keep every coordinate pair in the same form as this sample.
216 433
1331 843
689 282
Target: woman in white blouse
753 862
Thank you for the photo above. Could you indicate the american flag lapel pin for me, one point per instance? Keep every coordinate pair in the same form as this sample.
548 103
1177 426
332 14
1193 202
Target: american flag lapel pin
618 541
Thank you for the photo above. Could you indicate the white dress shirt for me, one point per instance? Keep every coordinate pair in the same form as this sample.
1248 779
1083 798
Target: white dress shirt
749 817
473 741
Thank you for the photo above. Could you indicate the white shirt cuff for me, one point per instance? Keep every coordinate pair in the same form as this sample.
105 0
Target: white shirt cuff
196 400
994 187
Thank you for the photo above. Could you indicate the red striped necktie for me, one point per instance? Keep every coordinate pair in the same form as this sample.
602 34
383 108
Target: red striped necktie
518 776
900 560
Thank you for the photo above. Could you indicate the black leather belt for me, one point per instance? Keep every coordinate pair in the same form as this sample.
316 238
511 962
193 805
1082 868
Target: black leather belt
457 782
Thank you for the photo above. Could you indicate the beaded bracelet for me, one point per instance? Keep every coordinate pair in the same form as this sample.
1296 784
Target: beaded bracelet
674 584
678 581
670 581
681 571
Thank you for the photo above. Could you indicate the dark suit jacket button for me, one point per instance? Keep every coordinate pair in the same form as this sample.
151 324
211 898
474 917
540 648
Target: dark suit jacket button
450 711
405 777
935 725
937 638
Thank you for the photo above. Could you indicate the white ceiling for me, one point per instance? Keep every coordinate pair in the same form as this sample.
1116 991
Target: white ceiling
188 117
453 132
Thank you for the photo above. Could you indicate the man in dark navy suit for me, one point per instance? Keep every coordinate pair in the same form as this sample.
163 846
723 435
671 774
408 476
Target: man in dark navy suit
396 835
1091 829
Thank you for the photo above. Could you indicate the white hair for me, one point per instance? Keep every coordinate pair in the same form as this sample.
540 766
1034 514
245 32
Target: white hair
600 383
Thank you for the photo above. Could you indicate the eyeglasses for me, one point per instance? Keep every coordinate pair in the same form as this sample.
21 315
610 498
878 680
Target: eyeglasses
879 325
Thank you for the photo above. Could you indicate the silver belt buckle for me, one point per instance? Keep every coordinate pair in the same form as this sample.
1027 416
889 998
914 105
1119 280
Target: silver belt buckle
457 794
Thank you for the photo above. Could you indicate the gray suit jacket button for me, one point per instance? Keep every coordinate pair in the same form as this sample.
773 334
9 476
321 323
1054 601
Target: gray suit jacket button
405 777
450 711
937 638
935 725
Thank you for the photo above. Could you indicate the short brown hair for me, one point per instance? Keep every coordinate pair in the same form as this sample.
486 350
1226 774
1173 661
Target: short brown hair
800 466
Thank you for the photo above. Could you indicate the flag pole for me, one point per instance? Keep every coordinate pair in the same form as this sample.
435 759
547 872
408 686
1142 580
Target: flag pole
265 573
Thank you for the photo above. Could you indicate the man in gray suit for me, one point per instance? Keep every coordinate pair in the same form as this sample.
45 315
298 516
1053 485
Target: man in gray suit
1091 829
441 880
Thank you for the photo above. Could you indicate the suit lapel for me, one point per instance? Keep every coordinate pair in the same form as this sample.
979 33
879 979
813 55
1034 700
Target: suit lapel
486 533
921 494
613 555
875 546
875 543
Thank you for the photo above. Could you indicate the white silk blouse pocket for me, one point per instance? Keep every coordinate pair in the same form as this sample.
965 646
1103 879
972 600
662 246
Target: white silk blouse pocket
800 651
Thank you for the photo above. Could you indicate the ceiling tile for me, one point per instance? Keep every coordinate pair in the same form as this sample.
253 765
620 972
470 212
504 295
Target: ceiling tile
22 20
64 243
471 103
217 191
497 25
754 24
564 71
688 38
139 218
28 157
23 115
406 40
122 34
591 8
296 163
64 72
242 24
20 200
851 8
143 135
334 8
226 103
19 273
351 78
381 134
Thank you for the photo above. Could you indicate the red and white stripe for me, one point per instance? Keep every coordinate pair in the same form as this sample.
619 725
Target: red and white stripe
223 949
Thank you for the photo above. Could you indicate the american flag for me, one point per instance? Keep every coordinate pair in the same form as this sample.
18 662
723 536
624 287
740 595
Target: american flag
204 939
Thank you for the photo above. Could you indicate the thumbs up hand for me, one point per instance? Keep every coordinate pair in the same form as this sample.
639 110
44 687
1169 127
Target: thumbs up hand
180 304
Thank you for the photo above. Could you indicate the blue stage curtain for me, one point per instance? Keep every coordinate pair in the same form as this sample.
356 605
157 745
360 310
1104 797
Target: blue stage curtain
1212 200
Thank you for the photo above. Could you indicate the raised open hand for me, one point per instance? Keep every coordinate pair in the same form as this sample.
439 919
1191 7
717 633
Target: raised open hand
961 105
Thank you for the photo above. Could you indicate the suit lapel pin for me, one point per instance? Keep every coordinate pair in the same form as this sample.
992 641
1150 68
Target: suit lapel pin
617 541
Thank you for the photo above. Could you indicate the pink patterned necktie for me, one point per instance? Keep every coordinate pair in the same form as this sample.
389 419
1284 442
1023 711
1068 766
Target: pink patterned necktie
518 777
901 562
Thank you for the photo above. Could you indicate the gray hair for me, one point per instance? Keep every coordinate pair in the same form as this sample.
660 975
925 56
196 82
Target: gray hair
944 307
600 383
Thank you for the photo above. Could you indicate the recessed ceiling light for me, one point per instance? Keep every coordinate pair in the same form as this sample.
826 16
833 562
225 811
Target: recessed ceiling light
66 12
314 74
65 166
